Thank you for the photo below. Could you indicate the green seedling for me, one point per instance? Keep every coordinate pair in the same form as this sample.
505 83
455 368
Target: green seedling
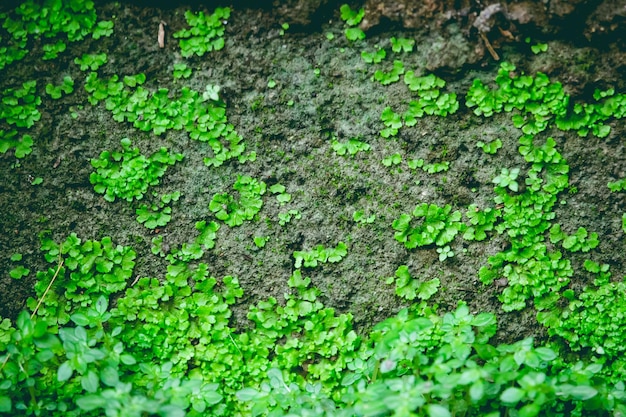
390 160
439 226
157 215
436 167
285 217
205 33
409 288
56 92
507 179
181 70
490 148
260 241
271 83
579 241
616 186
19 105
445 253
282 196
104 28
415 163
52 50
392 121
128 174
351 17
373 57
481 222
235 212
310 259
23 146
352 146
91 61
402 45
393 76
359 217
19 271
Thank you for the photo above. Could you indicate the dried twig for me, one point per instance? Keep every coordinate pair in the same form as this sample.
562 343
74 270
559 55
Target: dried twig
161 37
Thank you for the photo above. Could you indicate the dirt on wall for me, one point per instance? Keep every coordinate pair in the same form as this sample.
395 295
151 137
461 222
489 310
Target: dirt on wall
322 90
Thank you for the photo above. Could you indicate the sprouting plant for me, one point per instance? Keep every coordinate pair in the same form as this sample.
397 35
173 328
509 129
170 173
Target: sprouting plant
439 226
386 78
507 179
157 215
205 33
402 44
19 271
104 28
392 121
234 212
491 147
128 174
52 50
22 146
619 185
56 92
352 146
19 105
260 241
436 167
352 19
320 254
281 195
445 252
410 288
579 241
91 61
538 47
285 217
390 160
481 222
373 57
359 217
181 70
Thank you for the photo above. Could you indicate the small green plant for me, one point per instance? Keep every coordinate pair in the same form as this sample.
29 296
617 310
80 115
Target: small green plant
352 18
507 179
281 195
579 241
157 215
52 50
392 76
616 186
390 160
320 254
104 28
392 121
436 167
439 226
206 32
56 92
373 57
19 105
360 217
128 174
409 288
19 271
285 217
234 212
402 45
490 148
181 70
91 61
481 222
352 146
260 241
22 146
538 47
445 252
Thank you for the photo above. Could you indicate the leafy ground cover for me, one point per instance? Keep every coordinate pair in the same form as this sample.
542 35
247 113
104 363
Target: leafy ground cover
266 244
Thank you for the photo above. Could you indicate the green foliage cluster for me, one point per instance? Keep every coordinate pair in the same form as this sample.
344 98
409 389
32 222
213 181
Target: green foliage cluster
391 76
206 32
481 222
579 241
352 146
201 114
320 254
49 19
616 186
409 288
56 91
91 62
280 191
19 105
23 146
234 212
352 19
439 226
128 174
491 147
431 101
159 214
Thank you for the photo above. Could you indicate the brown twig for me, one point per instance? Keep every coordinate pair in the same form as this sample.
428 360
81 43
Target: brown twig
161 36
492 51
